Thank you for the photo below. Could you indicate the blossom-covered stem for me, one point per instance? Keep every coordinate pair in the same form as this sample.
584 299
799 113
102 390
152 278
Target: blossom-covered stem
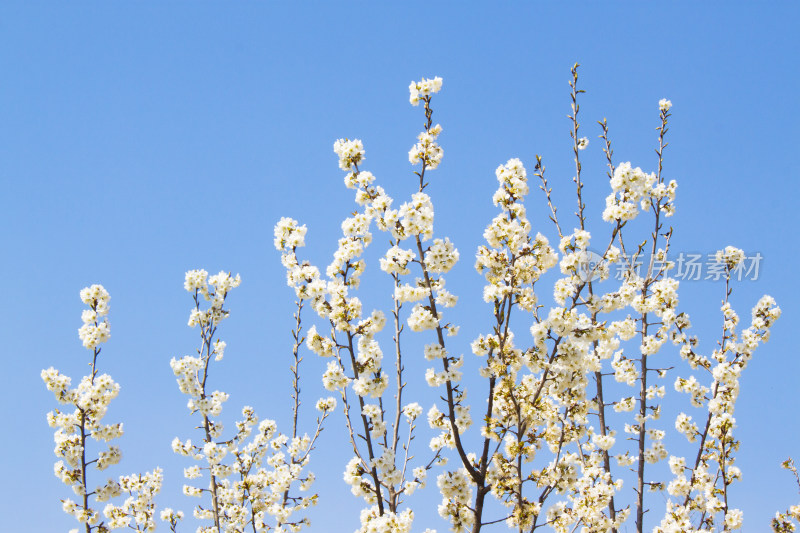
642 423
207 332
473 472
83 457
598 376
345 401
650 278
725 482
428 125
723 442
549 488
301 460
244 499
662 131
214 485
451 415
367 434
432 303
482 488
704 435
643 381
478 475
609 152
503 318
701 446
601 412
74 430
317 433
643 396
82 412
576 147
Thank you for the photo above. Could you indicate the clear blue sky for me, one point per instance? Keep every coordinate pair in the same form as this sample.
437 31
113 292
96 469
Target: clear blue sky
142 139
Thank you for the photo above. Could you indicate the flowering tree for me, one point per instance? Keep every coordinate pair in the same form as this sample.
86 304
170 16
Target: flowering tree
572 413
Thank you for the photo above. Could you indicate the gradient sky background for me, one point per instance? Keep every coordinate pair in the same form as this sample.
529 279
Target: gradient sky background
140 140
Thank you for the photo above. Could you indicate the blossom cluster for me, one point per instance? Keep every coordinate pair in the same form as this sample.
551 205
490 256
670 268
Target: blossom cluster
423 88
427 151
251 474
632 188
90 401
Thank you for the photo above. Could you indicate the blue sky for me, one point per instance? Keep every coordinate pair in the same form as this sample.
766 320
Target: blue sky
142 139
